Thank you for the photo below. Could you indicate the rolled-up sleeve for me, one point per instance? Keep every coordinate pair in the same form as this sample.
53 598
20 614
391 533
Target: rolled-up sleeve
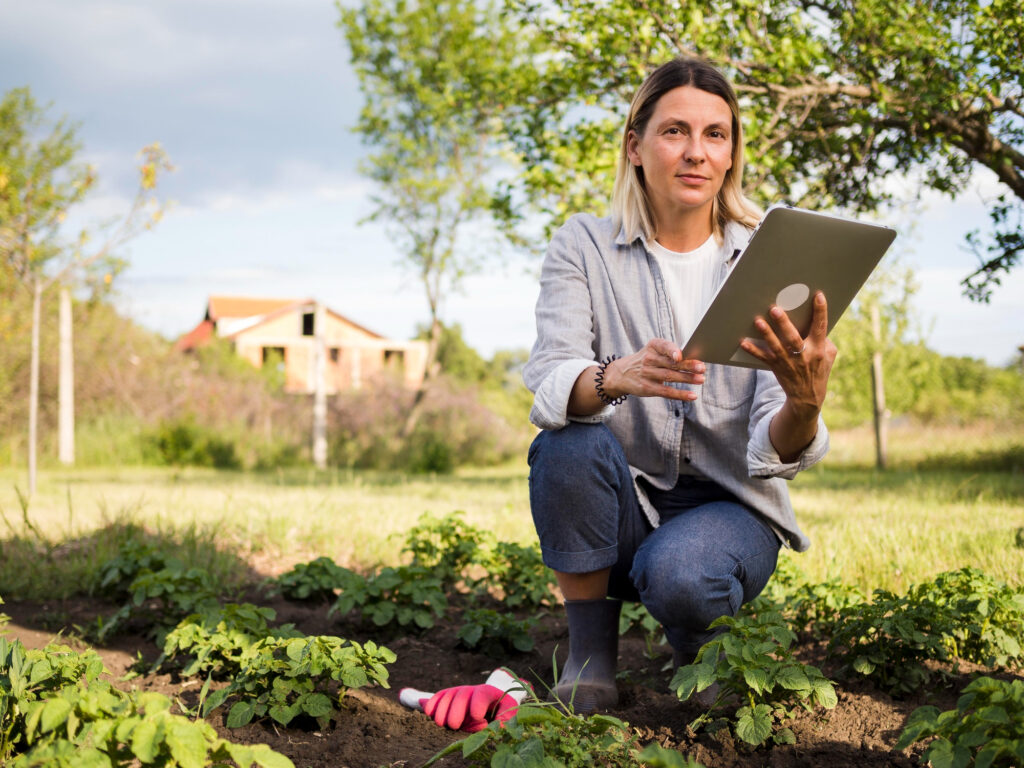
565 334
551 400
763 460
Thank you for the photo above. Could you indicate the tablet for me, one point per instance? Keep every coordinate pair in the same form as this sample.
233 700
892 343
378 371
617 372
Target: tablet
792 254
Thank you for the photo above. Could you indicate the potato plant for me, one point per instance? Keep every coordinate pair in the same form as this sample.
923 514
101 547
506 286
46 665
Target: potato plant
446 546
284 678
54 711
545 735
406 595
519 573
636 616
495 634
214 641
752 663
985 730
319 579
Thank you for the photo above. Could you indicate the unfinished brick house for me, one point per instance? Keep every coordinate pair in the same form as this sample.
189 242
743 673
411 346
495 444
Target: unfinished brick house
287 332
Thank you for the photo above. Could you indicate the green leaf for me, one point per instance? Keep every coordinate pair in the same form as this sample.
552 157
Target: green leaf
187 743
55 713
144 741
241 713
754 726
316 705
756 679
472 743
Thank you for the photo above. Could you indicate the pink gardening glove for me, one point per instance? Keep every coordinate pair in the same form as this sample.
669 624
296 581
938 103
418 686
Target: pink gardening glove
470 707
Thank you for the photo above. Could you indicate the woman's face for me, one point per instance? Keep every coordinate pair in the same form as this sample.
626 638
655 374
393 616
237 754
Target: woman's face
685 152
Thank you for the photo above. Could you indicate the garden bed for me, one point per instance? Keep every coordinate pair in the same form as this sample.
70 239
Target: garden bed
372 729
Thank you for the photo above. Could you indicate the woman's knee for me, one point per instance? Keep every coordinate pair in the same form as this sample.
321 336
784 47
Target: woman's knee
685 594
574 456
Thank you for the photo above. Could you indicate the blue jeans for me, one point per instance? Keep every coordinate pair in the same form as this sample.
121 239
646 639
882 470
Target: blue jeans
709 555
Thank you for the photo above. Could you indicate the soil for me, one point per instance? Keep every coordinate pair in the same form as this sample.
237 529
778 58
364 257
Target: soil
372 729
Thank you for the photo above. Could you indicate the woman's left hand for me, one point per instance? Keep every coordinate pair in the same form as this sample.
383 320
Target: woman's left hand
802 365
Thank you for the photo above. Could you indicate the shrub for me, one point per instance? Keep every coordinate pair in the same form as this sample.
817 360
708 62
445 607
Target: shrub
185 443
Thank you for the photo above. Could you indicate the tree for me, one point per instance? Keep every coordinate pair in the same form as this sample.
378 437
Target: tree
840 97
435 77
40 182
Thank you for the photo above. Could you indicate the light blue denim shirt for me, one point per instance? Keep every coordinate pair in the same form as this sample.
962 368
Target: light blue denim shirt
601 295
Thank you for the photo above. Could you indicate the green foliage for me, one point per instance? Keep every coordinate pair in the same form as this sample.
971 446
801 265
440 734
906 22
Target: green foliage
285 678
459 425
29 676
889 640
543 735
318 579
636 616
812 608
987 616
520 574
752 662
159 599
406 595
185 443
495 634
985 730
214 641
446 546
837 97
960 614
55 712
435 77
114 577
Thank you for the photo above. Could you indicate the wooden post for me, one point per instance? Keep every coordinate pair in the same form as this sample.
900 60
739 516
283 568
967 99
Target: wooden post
33 387
319 390
66 382
878 393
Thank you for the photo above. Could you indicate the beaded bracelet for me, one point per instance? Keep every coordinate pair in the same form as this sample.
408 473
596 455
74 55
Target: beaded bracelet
599 383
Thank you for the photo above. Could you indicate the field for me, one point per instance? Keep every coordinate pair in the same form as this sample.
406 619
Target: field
950 499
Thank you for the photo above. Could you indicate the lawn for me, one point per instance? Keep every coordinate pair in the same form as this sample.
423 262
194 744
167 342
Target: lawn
951 497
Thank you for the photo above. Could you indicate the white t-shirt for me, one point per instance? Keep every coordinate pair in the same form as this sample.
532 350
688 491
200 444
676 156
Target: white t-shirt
691 279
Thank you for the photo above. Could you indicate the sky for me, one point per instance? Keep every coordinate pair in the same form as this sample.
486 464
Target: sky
254 101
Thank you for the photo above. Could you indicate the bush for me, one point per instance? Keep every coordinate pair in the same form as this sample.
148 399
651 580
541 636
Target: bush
184 443
456 428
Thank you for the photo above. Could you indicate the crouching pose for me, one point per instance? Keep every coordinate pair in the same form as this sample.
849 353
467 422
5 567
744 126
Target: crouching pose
656 478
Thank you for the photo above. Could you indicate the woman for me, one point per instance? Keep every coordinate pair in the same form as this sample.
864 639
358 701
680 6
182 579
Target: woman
656 478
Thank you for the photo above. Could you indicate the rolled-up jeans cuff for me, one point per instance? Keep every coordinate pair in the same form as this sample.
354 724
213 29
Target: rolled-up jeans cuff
580 562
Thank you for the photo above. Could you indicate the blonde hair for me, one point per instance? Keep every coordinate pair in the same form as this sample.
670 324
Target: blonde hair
631 208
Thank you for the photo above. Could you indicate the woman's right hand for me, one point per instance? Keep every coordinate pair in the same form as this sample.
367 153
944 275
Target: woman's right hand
646 373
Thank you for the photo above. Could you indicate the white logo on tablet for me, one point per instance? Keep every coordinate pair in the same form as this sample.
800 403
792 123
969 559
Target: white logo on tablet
792 296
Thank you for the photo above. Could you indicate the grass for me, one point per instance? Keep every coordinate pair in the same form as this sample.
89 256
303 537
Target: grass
950 498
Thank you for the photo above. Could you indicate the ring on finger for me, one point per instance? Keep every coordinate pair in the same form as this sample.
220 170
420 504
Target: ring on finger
796 352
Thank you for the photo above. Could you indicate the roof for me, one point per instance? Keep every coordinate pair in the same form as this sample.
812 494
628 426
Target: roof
220 307
258 310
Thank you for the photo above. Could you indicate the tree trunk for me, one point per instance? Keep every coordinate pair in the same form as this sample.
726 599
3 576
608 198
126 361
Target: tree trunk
878 393
33 389
430 371
66 382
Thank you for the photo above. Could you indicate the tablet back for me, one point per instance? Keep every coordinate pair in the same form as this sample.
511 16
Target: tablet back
792 254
